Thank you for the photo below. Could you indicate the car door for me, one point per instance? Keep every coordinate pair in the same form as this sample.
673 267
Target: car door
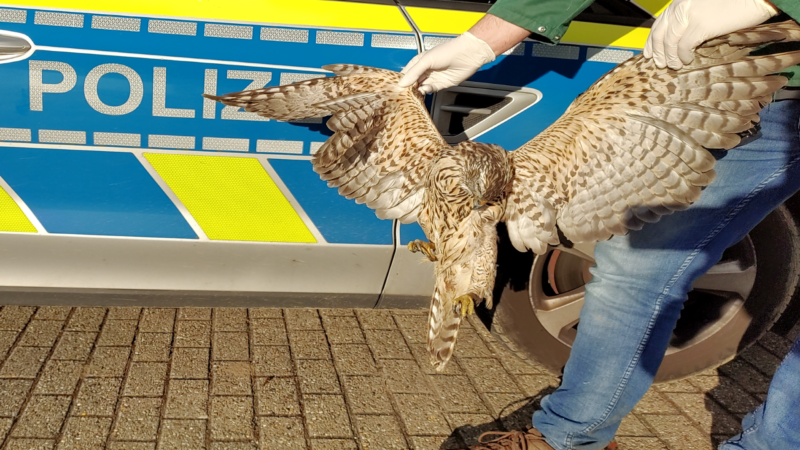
117 177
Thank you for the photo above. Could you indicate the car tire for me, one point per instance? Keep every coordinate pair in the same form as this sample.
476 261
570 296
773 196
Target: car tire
717 321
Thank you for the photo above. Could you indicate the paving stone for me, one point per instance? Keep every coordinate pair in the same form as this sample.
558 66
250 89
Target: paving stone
131 446
513 364
728 393
706 413
230 319
157 320
86 319
332 444
470 345
138 419
277 397
317 376
152 347
145 379
12 396
409 312
182 435
778 345
265 313
403 377
367 395
30 444
436 443
230 347
655 403
24 362
97 397
640 443
537 385
194 314
193 333
421 415
488 375
380 432
326 416
108 362
52 313
632 426
117 333
309 345
414 328
42 417
747 376
387 344
281 433
187 399
336 312
500 404
233 446
761 359
302 319
678 432
231 418
268 332
5 425
7 339
518 415
84 433
75 346
231 378
375 319
59 377
353 359
189 363
676 386
470 426
343 330
14 318
458 394
272 361
420 352
124 313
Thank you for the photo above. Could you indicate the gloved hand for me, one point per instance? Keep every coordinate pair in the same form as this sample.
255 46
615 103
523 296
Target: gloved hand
685 24
447 64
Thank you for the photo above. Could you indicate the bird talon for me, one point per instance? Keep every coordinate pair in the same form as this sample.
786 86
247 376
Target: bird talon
427 248
467 305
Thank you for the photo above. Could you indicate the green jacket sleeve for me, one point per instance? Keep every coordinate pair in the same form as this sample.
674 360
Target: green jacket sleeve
790 7
546 18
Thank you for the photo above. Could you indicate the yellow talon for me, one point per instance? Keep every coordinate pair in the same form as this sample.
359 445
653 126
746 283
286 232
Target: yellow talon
425 247
467 305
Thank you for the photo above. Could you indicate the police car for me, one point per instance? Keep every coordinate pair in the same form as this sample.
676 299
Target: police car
121 185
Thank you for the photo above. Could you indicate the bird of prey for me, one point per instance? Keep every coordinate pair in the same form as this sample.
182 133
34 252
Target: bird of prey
629 150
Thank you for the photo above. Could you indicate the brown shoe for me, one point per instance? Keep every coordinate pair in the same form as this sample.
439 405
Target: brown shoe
530 439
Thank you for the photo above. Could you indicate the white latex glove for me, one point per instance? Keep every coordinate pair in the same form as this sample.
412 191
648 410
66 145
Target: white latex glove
685 24
447 64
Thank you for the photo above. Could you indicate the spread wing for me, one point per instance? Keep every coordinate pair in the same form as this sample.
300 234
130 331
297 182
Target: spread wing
383 141
632 148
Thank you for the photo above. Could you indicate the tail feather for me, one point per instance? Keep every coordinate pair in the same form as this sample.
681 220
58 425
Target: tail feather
443 323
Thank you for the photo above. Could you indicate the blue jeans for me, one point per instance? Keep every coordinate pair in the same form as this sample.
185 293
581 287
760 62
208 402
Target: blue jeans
641 281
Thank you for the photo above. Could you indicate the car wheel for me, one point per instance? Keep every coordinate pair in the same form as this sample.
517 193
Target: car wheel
731 306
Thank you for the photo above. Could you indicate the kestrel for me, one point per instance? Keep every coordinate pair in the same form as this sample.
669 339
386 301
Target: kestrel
629 150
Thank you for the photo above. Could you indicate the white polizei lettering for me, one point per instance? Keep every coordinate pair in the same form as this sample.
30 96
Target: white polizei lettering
38 87
134 97
210 88
160 97
260 79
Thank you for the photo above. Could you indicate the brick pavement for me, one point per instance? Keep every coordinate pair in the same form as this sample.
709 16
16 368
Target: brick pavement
236 378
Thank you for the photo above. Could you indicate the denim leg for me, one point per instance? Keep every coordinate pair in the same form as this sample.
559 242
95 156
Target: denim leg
775 425
641 281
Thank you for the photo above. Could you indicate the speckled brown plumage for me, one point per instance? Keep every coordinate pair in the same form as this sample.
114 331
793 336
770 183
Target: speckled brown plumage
629 150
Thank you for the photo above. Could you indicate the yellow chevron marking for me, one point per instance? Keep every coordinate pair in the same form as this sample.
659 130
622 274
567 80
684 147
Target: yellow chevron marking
11 216
315 13
231 198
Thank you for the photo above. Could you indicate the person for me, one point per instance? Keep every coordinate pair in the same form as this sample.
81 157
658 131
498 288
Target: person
642 279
